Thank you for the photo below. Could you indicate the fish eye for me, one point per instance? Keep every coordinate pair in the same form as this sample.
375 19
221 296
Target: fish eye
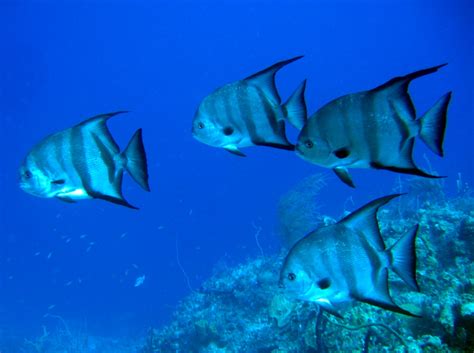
291 276
27 174
228 131
200 125
309 144
324 283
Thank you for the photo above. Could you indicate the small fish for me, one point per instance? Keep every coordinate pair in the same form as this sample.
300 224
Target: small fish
373 129
84 162
348 261
249 112
139 281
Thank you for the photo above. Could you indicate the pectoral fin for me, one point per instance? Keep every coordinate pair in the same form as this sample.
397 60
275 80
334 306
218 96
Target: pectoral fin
234 150
66 199
344 175
327 305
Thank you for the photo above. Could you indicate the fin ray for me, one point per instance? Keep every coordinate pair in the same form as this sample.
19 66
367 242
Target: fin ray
266 78
295 107
365 220
135 160
433 125
403 258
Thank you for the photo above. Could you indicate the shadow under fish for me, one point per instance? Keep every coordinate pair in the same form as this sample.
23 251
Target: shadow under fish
373 129
84 162
348 261
249 113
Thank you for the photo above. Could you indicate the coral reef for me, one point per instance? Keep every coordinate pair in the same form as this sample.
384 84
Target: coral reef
242 309
298 210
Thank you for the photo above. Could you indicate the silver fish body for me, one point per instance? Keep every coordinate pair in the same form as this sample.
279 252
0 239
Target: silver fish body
373 129
84 162
249 112
348 262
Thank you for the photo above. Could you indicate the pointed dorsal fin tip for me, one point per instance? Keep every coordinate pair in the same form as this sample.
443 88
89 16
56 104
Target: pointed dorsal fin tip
265 79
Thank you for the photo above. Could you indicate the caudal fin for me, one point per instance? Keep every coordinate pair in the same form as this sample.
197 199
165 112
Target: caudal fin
403 258
295 107
135 160
433 125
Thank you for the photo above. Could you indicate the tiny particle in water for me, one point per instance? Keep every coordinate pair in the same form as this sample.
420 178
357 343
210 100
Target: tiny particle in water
123 235
68 283
83 236
51 307
37 253
49 255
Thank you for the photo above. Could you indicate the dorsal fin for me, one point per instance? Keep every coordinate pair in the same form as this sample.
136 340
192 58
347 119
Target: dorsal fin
97 125
265 79
365 220
402 82
101 118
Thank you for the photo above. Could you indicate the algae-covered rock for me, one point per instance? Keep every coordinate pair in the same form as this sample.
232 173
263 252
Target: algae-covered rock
241 309
281 308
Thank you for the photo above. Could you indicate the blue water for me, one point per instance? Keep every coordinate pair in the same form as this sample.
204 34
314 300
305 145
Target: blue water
64 61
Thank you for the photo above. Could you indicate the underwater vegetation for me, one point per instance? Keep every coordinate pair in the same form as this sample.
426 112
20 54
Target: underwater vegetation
61 336
241 309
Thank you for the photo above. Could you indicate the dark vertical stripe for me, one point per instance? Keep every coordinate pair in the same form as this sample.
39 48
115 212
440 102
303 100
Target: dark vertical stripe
106 157
372 126
248 116
79 158
348 264
327 259
373 257
59 152
269 112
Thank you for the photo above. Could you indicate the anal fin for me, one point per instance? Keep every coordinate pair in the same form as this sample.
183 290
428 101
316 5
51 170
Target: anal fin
113 199
234 150
66 199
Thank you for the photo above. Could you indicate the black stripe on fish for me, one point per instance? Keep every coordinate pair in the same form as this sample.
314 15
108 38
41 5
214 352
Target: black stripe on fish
58 182
349 269
79 159
373 256
117 200
248 116
326 258
411 171
232 107
403 128
372 128
265 79
278 128
107 158
59 152
269 113
380 296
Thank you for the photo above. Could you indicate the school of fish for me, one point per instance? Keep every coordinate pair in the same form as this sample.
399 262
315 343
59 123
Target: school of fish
376 128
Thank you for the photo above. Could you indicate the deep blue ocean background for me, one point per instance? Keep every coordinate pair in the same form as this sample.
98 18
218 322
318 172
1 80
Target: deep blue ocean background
64 61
